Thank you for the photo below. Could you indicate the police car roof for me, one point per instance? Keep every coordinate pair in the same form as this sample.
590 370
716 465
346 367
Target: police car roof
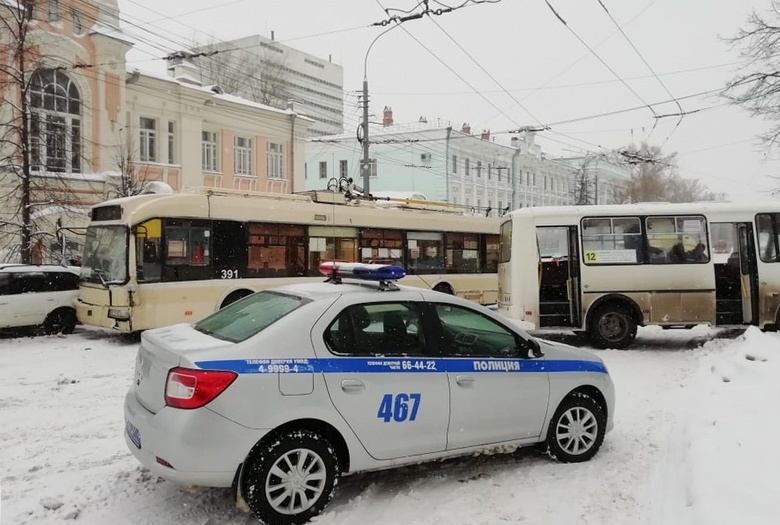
346 286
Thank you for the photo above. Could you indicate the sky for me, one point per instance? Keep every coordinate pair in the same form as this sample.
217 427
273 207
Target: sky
606 78
691 446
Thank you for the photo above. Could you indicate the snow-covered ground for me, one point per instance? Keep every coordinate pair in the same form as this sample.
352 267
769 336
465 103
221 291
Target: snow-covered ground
696 425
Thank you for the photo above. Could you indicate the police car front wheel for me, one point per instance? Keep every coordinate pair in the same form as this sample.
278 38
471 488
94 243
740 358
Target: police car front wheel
290 478
577 429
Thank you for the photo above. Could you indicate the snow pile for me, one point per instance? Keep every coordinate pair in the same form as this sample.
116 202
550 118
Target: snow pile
722 459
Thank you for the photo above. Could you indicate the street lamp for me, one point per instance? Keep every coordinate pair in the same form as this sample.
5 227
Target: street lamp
366 167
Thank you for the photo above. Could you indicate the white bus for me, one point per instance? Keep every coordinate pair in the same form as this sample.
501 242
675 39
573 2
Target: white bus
607 269
157 260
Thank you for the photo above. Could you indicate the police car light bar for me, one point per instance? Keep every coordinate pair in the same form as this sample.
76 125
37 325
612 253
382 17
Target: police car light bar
367 272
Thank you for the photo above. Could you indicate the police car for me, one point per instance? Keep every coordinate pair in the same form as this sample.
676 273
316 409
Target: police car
284 391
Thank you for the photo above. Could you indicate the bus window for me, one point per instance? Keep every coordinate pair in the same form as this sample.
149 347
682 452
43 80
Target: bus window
187 253
677 240
148 237
382 246
331 243
612 240
462 252
276 250
505 249
425 252
768 236
491 251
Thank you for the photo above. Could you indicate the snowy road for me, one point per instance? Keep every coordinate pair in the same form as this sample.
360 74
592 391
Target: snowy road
62 446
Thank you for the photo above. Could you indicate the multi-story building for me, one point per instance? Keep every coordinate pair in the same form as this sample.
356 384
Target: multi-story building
451 165
95 130
264 70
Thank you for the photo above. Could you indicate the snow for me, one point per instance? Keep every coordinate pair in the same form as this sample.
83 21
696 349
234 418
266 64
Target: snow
696 421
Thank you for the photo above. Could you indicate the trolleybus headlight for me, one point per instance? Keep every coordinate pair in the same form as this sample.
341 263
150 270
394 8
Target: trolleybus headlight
119 315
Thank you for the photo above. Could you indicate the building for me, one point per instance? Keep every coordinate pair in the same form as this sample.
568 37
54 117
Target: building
264 70
97 131
447 164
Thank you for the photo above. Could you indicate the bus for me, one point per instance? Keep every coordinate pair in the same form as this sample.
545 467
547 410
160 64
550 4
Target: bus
605 270
156 260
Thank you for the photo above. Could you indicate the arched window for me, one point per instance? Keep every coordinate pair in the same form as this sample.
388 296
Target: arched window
55 122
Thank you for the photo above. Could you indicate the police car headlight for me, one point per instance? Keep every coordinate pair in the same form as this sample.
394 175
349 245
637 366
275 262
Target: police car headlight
119 315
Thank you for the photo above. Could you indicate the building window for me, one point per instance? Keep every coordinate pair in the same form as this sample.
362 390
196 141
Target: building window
275 158
479 168
242 156
29 9
454 164
533 179
209 149
467 168
323 170
372 168
148 136
490 172
75 16
343 169
55 123
171 142
54 10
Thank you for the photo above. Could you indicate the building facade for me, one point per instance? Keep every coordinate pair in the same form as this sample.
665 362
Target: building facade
480 172
264 70
95 131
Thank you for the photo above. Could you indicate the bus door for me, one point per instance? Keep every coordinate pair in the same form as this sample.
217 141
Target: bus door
559 273
748 273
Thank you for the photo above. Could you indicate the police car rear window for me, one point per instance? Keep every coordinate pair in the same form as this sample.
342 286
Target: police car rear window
249 316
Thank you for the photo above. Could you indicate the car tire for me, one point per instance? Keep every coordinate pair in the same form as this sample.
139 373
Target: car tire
612 326
280 472
577 429
62 321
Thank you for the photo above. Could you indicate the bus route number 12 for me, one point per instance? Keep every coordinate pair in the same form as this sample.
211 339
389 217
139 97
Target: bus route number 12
228 274
397 407
590 256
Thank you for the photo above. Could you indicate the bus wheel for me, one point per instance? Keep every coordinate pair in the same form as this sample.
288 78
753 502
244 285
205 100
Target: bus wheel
235 296
612 326
444 288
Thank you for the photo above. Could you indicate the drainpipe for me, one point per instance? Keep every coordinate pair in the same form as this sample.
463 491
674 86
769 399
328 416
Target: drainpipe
447 164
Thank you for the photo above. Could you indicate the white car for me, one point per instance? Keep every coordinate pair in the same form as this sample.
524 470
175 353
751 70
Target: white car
38 295
284 391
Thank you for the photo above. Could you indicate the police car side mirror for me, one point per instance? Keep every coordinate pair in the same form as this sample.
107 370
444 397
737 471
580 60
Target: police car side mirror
528 348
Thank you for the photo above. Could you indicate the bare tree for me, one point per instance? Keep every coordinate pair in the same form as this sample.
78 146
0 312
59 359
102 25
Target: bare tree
583 190
654 177
131 178
37 144
259 75
757 87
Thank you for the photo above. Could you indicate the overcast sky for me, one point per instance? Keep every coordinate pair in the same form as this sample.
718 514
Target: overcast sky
513 63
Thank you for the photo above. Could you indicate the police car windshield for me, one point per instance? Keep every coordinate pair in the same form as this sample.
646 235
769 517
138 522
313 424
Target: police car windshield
249 316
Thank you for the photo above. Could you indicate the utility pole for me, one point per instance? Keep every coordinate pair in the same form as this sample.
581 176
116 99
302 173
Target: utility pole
366 167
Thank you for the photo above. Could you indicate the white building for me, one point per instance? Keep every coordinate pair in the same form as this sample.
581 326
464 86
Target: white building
261 69
452 165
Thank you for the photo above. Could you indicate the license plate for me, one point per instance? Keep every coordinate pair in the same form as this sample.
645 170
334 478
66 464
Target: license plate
133 433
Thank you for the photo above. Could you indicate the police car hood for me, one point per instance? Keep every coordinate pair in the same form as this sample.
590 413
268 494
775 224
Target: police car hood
553 350
165 348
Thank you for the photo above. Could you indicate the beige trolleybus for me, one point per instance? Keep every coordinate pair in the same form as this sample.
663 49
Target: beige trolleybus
608 269
156 260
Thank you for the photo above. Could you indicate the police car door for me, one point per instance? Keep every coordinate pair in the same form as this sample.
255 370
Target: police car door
495 395
382 378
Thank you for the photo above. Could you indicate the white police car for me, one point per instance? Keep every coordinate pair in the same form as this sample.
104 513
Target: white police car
283 392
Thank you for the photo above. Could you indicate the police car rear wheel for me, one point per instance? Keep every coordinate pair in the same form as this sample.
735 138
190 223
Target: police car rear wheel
577 429
290 478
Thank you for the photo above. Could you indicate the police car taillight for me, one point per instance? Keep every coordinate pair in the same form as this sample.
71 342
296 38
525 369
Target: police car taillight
189 388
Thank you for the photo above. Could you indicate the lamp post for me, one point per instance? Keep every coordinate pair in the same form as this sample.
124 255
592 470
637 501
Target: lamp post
366 168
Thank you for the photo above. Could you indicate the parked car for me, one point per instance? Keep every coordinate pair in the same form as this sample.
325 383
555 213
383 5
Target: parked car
38 295
281 393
